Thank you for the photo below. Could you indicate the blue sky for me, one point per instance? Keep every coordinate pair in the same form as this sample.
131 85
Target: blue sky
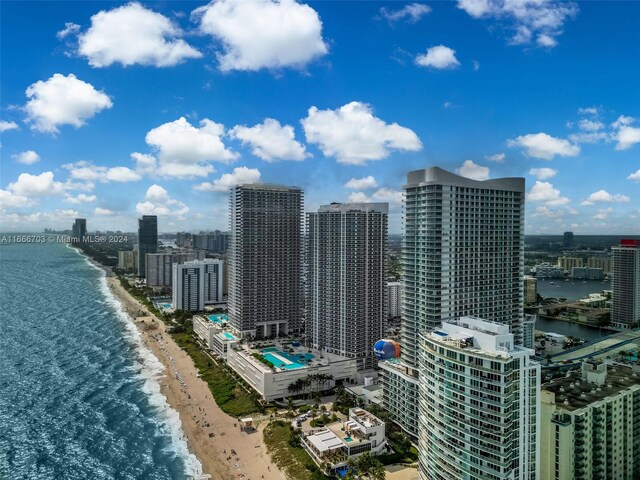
110 110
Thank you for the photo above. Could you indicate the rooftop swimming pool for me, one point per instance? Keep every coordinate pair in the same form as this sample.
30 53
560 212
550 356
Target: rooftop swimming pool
218 318
166 306
285 360
228 336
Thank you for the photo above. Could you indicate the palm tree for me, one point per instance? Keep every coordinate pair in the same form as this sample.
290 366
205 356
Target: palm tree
291 408
378 472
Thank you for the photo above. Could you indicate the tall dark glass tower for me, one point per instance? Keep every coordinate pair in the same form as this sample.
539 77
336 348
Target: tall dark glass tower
147 240
79 229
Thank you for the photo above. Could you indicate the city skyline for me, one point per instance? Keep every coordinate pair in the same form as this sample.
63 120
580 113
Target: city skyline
485 92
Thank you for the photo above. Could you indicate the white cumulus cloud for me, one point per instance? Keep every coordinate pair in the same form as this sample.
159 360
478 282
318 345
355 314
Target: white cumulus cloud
393 197
42 185
88 172
411 12
474 171
497 158
184 150
354 135
5 126
634 176
603 213
543 173
626 137
132 34
158 202
62 100
270 141
103 212
28 157
361 183
9 199
604 196
544 146
541 21
439 57
544 192
239 176
265 34
81 198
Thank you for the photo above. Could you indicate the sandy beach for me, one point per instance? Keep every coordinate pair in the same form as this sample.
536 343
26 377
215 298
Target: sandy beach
200 415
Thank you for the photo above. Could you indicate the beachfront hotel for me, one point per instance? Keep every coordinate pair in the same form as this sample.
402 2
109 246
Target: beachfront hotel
625 311
462 254
147 240
346 248
590 424
479 404
265 260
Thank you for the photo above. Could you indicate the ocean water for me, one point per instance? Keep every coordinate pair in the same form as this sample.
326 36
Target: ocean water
79 393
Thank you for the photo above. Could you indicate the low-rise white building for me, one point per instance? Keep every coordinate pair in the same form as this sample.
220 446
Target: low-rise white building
336 443
205 330
289 364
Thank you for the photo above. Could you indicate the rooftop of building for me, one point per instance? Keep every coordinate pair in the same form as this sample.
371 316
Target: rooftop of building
269 186
572 392
380 207
287 355
478 336
338 434
437 175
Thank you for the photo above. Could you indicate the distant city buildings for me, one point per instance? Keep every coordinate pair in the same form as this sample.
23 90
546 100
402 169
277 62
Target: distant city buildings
479 405
590 424
147 240
346 270
159 267
568 239
546 270
587 273
79 229
128 261
394 296
265 260
626 284
463 254
213 242
600 262
567 263
530 290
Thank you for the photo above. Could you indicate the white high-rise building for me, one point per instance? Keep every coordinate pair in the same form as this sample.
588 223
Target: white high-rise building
394 296
347 267
197 283
625 309
479 405
159 267
213 280
188 286
265 260
462 254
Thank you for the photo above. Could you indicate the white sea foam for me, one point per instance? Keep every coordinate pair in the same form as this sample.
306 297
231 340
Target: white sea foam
150 370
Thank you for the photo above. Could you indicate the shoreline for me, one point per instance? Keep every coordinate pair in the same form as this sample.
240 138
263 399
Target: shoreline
199 414
191 398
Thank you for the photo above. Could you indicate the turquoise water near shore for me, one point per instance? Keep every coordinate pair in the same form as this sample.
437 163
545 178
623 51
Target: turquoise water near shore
79 393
